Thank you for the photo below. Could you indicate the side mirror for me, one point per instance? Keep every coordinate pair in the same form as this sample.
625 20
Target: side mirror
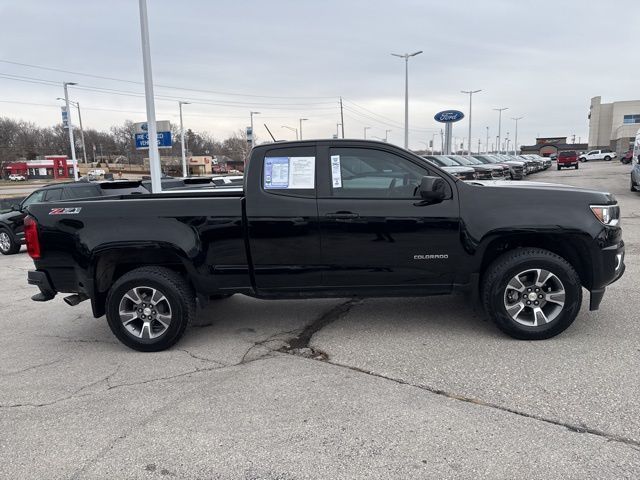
16 207
433 189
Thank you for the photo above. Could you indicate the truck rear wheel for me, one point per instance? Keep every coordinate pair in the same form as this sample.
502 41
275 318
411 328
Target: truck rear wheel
531 293
149 308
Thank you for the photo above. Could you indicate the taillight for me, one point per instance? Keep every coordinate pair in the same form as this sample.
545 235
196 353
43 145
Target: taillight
31 237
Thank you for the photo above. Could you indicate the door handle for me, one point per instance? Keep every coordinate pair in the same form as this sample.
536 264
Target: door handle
342 215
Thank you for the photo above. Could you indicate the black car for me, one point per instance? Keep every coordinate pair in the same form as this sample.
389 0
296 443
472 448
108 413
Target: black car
11 222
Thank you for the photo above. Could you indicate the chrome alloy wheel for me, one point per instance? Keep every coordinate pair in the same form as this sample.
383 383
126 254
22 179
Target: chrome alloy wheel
145 312
5 242
534 297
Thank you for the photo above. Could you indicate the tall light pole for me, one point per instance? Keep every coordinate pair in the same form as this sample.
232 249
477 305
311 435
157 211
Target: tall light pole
292 129
302 120
487 139
74 162
386 135
253 136
406 57
470 93
154 154
185 172
500 110
515 141
77 105
433 142
365 132
338 130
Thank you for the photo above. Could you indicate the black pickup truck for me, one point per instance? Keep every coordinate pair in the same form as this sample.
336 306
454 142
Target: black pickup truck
330 218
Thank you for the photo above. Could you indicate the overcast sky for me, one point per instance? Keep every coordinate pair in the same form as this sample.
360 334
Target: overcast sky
543 60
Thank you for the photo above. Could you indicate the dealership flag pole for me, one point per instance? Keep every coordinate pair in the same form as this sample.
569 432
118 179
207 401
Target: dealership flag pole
154 154
470 92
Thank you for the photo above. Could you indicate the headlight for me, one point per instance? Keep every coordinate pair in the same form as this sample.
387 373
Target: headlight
607 214
475 175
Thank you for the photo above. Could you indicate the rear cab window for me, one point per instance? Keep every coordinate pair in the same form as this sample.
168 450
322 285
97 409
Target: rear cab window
290 171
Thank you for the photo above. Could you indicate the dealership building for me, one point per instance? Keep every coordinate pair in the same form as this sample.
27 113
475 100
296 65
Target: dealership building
50 167
613 125
547 146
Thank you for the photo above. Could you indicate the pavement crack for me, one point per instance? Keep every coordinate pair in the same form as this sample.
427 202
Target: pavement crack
301 341
33 367
572 427
198 357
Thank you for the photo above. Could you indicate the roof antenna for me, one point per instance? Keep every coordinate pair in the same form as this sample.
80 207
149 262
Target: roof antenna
274 138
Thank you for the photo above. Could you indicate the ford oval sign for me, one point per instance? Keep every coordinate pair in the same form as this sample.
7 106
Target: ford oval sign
449 116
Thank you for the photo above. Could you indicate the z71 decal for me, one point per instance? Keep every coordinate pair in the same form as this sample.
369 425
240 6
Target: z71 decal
65 211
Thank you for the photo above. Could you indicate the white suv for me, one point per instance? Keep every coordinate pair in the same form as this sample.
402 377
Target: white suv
17 178
605 155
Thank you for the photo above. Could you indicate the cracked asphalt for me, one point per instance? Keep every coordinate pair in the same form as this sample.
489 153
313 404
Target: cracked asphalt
389 388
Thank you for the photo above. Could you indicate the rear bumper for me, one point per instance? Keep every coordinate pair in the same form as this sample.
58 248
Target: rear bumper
41 280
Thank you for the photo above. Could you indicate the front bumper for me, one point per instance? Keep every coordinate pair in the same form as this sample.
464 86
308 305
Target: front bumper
611 269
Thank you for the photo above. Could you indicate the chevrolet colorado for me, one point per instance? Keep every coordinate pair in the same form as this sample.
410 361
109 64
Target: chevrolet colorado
329 218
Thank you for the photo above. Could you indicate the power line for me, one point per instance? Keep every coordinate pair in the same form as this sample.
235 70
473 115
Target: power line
114 79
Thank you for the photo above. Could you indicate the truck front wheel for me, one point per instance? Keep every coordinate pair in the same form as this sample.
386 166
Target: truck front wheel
531 293
149 308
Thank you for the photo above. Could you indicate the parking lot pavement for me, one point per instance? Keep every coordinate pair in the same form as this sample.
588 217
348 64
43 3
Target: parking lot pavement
399 387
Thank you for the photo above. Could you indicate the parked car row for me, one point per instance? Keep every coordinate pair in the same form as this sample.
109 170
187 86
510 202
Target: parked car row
489 166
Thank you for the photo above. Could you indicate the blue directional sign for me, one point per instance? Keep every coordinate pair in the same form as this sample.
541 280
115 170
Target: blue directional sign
142 140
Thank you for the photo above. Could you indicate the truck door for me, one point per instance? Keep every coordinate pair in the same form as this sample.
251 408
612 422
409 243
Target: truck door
375 230
282 219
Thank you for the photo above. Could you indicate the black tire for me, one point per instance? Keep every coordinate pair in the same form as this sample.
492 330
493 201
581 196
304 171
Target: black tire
576 166
582 159
8 244
506 267
633 186
178 295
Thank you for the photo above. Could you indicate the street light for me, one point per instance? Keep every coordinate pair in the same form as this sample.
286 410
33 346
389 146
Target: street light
253 137
406 57
487 146
365 132
185 172
302 120
77 105
292 129
74 162
515 141
338 130
500 110
470 93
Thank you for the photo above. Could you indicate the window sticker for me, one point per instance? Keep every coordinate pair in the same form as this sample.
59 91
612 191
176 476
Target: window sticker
336 175
289 172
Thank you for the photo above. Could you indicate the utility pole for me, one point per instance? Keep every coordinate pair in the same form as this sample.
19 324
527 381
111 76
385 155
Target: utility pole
302 120
341 117
500 110
185 172
470 93
74 161
365 132
406 57
154 154
515 141
253 136
487 144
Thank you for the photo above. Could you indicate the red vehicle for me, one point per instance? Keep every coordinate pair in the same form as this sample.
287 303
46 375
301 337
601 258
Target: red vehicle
568 159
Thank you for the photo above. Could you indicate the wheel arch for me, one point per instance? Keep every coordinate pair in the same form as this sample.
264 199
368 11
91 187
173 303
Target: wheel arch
573 248
111 263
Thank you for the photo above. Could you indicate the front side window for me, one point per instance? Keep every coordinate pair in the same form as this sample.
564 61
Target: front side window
35 197
367 173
